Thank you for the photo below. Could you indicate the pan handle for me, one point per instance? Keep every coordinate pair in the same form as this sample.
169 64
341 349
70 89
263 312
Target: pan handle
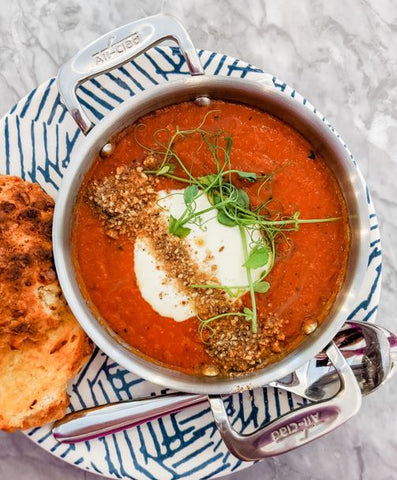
116 48
298 427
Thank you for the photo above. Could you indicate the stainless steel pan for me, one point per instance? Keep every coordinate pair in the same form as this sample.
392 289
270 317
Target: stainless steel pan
119 47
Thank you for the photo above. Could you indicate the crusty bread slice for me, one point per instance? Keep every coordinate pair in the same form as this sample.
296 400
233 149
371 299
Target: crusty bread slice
41 344
26 261
33 378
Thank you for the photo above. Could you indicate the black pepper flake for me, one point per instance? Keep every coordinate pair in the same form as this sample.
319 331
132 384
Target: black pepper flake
311 155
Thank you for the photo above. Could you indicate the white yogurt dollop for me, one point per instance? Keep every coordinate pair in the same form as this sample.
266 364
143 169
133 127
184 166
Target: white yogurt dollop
216 248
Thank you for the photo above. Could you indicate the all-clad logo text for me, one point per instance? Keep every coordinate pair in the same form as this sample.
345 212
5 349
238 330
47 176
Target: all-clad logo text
294 427
115 49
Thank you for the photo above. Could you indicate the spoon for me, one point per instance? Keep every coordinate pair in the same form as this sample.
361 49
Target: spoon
370 350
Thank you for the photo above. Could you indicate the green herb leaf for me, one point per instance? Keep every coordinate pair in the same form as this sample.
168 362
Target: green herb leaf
207 180
251 176
261 287
176 229
249 313
213 197
190 194
258 257
243 199
165 169
225 220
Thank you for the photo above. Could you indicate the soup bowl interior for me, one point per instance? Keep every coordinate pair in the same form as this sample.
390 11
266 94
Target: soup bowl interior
290 111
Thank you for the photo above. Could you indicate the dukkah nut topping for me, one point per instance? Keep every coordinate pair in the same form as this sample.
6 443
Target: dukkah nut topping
126 203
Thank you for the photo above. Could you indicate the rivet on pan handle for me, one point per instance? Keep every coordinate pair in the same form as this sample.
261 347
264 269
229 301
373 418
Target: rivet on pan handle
298 427
116 48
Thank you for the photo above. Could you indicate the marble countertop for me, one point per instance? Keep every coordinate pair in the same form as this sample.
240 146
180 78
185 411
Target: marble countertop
342 57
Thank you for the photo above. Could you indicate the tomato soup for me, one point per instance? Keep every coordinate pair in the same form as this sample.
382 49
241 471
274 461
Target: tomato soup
269 186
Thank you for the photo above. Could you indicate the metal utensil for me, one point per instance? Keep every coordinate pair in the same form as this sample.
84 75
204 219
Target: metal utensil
308 423
368 348
392 339
371 352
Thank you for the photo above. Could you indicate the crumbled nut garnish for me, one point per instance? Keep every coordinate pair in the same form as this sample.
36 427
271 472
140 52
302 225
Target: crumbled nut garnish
150 162
236 349
126 203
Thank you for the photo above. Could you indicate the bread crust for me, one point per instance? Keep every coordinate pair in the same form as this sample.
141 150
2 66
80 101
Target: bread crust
41 344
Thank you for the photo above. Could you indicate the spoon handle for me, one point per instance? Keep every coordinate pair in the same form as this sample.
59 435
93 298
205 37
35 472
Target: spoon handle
99 421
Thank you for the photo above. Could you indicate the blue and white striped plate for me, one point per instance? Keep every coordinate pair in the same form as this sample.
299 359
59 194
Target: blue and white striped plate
38 139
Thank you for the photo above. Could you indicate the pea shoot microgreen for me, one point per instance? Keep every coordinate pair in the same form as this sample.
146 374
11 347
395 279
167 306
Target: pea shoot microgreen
189 194
231 204
176 229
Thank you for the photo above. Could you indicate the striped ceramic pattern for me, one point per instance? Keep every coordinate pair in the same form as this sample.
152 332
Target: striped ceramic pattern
38 138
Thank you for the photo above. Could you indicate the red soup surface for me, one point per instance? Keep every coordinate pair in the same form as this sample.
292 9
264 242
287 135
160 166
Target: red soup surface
277 166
